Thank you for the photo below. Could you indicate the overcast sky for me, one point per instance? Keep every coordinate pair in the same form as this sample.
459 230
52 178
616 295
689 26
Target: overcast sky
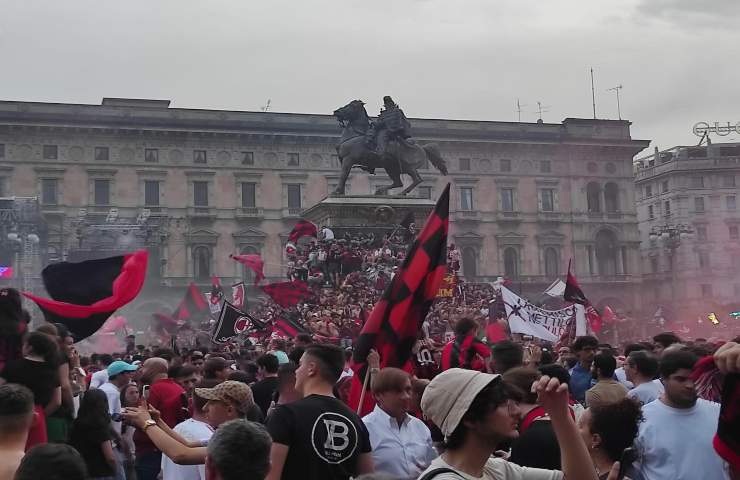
464 59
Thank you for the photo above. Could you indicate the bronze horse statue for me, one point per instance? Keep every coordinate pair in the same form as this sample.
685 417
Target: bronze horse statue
401 156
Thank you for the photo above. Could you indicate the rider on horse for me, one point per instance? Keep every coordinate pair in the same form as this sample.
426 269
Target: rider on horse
391 125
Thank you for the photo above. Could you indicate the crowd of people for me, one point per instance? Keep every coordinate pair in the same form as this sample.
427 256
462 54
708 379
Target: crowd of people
511 410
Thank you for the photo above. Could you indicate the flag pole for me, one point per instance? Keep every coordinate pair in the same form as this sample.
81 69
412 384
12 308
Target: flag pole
364 389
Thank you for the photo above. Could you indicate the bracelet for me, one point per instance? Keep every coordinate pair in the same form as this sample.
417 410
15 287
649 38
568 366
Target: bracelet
374 370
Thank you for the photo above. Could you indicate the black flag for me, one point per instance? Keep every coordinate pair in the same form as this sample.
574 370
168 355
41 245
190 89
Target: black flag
232 322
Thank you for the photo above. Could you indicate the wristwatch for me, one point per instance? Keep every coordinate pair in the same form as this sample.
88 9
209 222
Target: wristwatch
147 424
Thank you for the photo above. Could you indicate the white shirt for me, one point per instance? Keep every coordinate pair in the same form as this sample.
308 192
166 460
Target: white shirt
194 431
622 378
646 392
114 402
328 233
676 443
400 452
497 469
98 378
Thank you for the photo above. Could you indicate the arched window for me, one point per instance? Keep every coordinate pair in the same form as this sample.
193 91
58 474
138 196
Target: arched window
606 252
611 197
593 197
202 263
552 263
511 263
248 273
470 262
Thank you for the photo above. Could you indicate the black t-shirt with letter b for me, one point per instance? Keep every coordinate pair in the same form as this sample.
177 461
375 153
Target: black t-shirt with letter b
325 438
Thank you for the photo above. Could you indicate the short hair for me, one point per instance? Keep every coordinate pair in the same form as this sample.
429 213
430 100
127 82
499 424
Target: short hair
182 371
52 461
269 362
507 355
304 337
389 379
617 424
105 358
672 362
584 341
199 403
330 359
213 365
465 325
644 362
522 378
43 346
16 408
666 339
633 347
605 364
165 353
240 449
239 376
286 374
554 370
279 343
48 329
488 399
296 354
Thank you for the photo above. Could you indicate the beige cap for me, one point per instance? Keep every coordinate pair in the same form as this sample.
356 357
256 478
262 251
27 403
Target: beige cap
229 391
449 395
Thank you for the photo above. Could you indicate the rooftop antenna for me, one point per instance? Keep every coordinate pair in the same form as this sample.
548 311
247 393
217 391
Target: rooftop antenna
266 107
519 109
593 92
616 90
541 109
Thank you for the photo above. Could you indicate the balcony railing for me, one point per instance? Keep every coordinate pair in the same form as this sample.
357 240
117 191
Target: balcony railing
201 212
249 212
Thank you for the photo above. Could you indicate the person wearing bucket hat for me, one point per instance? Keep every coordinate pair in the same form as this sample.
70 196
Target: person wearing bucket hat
475 412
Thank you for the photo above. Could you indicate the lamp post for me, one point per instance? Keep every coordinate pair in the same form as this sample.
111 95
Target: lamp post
670 238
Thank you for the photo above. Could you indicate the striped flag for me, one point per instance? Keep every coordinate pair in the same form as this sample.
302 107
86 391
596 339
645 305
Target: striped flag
394 323
287 294
289 327
194 306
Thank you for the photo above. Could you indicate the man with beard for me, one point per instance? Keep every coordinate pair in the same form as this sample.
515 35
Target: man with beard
675 439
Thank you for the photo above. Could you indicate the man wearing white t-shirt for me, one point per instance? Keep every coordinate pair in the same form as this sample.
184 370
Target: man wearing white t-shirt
195 429
641 368
98 378
675 440
119 375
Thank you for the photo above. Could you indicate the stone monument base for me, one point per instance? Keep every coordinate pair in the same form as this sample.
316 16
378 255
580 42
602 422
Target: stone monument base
373 211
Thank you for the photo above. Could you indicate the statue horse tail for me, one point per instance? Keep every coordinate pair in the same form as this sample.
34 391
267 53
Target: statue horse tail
435 157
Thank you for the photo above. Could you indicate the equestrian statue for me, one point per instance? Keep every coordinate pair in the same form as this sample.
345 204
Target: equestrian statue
385 143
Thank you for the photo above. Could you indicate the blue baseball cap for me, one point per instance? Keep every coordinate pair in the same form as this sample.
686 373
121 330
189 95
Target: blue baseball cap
119 367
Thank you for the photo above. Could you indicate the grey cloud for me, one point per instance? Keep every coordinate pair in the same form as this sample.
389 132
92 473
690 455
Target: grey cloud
691 12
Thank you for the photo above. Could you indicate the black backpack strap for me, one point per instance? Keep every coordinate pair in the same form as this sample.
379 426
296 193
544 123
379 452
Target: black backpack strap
437 471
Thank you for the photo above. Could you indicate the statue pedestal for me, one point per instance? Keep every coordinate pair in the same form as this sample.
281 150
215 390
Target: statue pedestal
368 211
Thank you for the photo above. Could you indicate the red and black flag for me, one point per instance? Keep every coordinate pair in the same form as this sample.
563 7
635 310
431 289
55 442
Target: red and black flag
193 307
394 323
233 322
574 293
287 294
239 295
303 228
216 296
83 295
161 322
254 262
289 327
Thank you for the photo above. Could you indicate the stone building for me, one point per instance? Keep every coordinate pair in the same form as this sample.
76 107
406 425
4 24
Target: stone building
690 228
196 185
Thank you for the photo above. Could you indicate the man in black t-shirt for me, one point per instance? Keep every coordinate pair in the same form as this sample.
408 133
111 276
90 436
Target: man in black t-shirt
318 437
264 390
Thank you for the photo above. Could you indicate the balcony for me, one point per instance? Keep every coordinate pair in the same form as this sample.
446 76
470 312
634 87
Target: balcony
507 217
550 217
201 212
467 215
249 212
292 212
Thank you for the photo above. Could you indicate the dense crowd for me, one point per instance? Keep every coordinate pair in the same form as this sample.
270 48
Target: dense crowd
512 410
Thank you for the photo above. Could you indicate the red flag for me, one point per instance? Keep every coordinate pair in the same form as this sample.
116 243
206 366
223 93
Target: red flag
254 262
287 294
239 295
608 316
290 328
193 307
573 293
85 294
303 228
394 323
